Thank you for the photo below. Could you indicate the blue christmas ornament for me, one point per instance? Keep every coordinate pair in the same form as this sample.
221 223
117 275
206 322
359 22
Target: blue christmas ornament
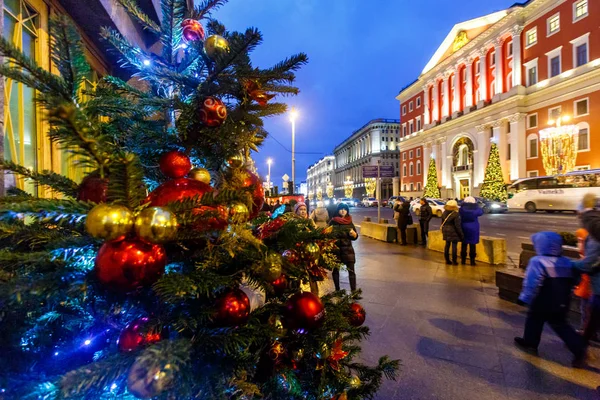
278 212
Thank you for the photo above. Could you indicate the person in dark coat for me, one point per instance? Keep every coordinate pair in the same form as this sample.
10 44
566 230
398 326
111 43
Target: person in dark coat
590 215
549 279
404 219
451 231
469 219
345 231
425 216
332 209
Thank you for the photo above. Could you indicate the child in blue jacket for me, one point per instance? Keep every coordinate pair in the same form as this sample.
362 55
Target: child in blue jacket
549 279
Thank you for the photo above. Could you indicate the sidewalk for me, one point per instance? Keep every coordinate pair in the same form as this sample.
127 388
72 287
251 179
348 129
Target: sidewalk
453 334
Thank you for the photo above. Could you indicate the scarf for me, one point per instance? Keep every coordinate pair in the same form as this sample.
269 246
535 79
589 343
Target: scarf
347 220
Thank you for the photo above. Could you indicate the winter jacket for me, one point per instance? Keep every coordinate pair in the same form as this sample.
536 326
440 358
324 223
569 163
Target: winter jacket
469 214
404 218
591 222
591 263
341 230
320 216
549 277
452 231
425 213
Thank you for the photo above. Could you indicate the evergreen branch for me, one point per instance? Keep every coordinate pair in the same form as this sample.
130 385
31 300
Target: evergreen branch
56 182
126 184
173 12
144 20
46 207
206 7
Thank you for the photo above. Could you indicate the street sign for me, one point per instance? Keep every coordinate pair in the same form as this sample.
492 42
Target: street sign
370 171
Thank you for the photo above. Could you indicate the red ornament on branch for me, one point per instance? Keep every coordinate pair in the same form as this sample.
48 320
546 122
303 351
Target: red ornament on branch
177 190
357 315
127 264
233 308
304 311
258 193
192 30
280 285
93 188
212 112
211 218
135 335
175 164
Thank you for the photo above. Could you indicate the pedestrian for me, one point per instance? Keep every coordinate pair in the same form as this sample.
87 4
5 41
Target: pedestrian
301 211
549 279
425 216
584 289
451 231
345 231
469 219
332 209
590 215
404 219
320 216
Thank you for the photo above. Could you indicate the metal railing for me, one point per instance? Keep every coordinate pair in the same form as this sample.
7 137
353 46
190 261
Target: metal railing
462 168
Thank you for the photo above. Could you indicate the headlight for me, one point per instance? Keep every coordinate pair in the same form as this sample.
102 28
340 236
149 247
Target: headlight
496 206
326 202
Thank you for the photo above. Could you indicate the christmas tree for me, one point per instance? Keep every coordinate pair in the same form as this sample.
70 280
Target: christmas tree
493 186
432 189
187 292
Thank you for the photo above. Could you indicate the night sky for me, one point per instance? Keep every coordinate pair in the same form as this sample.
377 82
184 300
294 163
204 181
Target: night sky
360 55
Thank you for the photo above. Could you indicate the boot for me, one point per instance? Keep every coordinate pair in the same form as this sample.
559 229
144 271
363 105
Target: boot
463 260
448 262
454 262
473 261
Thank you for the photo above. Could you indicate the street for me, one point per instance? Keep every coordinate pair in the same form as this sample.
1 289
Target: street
516 227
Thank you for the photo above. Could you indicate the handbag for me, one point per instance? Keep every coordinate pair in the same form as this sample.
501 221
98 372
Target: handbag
444 223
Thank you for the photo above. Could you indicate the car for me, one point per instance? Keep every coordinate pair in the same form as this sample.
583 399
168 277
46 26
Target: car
369 202
384 203
491 206
437 207
392 201
349 202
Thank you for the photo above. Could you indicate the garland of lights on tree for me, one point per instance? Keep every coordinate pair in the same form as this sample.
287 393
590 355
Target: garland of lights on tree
157 275
432 189
493 186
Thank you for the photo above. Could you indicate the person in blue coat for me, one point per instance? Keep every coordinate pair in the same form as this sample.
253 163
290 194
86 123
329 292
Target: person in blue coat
549 279
469 217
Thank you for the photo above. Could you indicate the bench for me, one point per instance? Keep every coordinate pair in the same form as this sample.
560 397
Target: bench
489 250
384 232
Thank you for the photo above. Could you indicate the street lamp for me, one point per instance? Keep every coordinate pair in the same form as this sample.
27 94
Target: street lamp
269 162
293 116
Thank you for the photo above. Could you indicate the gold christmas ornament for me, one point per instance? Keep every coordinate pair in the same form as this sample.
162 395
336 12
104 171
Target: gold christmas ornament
109 221
147 380
156 225
312 251
276 350
238 212
275 322
215 45
200 174
235 161
272 266
355 381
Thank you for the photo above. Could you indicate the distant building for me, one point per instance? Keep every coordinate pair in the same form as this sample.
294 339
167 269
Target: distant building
302 188
320 174
503 77
377 140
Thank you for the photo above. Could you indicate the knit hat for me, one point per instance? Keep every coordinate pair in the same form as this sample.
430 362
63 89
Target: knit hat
470 199
581 233
343 206
589 201
298 205
451 205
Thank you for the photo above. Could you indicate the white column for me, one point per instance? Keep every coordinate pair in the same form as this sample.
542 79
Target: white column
499 71
435 105
518 147
457 82
426 105
395 186
445 166
517 68
483 84
483 140
469 84
446 105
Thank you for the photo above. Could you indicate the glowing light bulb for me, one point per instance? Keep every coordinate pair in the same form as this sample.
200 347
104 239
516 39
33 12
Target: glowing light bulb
146 62
87 342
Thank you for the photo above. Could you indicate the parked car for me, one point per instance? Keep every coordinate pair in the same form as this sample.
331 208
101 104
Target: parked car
437 207
492 206
349 202
384 203
392 201
369 202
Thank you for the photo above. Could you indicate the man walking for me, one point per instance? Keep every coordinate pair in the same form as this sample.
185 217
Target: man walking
425 215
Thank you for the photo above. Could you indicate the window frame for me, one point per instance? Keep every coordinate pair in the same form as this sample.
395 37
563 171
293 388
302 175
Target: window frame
575 102
537 173
404 156
550 117
527 35
410 155
549 21
418 101
411 168
418 153
420 168
404 109
419 125
551 55
530 137
575 43
528 66
536 120
584 125
410 107
404 170
575 6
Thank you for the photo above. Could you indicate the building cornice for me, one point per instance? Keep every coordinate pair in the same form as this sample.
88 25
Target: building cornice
367 127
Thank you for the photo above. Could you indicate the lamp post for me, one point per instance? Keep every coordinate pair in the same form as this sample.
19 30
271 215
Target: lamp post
293 116
269 162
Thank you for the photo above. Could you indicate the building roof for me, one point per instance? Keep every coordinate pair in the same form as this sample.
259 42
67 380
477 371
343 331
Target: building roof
371 122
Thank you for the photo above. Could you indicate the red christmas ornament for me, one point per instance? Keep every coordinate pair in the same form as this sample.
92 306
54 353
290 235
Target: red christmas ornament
258 193
261 97
134 335
177 190
291 256
269 228
127 264
357 315
233 308
280 285
212 218
192 30
212 112
175 164
304 311
93 188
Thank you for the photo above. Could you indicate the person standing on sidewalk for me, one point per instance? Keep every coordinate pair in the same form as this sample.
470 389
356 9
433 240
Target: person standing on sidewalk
425 215
469 219
451 231
404 219
549 279
583 290
319 215
345 231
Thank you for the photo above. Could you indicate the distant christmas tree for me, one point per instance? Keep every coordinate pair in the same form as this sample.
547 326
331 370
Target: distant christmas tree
493 186
431 188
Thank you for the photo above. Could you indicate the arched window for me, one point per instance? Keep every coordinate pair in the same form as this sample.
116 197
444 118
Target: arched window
463 155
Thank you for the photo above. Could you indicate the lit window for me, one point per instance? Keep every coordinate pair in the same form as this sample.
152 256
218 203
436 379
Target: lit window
553 24
581 108
580 10
531 37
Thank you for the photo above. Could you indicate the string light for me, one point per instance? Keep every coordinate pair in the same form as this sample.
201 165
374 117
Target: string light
87 342
146 62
